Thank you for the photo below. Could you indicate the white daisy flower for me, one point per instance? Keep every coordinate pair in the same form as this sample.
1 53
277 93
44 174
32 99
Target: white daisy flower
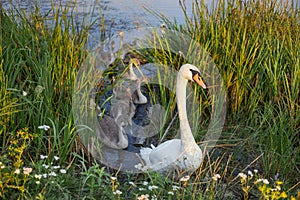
45 166
265 181
185 178
242 176
145 183
24 93
250 173
38 176
56 158
138 166
118 192
43 157
44 127
17 171
151 187
132 183
27 170
175 187
52 174
216 177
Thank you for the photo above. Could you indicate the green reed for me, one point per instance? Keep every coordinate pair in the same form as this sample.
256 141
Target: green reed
41 55
256 48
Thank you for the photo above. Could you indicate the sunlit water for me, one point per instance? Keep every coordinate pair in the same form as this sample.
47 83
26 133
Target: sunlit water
118 14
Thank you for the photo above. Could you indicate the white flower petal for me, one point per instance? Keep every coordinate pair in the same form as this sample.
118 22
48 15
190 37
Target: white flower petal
52 174
43 157
145 183
242 176
56 158
45 166
132 183
117 192
44 127
175 187
185 178
27 170
17 171
265 181
250 173
38 176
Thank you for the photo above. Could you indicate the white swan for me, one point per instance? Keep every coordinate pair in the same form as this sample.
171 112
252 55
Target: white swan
177 154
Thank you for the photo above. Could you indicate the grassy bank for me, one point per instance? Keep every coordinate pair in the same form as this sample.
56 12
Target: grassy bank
257 50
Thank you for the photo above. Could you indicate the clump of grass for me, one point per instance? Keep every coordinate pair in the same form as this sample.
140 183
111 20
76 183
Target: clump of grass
12 164
8 104
40 57
251 180
256 49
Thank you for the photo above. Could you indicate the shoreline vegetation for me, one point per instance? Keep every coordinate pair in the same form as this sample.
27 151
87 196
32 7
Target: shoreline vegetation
256 46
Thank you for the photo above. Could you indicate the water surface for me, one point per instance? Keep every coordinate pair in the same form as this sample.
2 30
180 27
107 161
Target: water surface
118 14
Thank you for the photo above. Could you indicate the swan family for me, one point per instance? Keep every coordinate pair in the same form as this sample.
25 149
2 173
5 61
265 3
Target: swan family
176 154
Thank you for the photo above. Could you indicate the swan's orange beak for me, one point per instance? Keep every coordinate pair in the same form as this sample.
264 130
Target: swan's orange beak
199 80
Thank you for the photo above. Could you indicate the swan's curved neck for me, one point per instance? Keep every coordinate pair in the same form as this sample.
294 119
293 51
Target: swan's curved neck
185 129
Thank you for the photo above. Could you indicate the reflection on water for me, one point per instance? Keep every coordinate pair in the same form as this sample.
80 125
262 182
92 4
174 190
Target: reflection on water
118 14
